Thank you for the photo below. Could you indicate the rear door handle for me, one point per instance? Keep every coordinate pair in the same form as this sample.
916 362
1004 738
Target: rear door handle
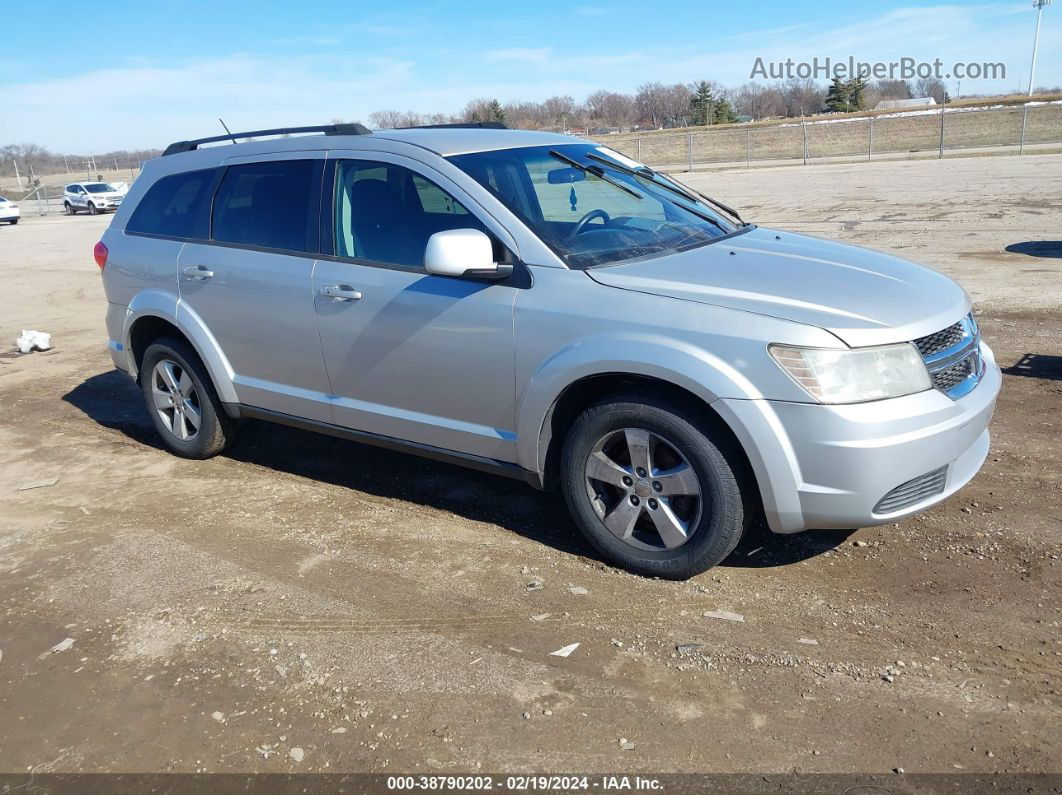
341 292
198 272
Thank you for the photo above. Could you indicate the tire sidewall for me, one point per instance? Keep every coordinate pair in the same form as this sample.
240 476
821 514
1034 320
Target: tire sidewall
722 515
197 447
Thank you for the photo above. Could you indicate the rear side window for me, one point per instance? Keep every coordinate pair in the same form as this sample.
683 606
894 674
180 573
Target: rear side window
175 206
266 204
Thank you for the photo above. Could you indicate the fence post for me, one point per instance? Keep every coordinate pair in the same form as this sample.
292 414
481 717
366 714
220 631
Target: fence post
941 155
748 148
870 141
689 152
640 160
804 127
1024 119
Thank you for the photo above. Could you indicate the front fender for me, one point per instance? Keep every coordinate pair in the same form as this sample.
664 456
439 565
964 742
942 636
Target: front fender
167 306
683 364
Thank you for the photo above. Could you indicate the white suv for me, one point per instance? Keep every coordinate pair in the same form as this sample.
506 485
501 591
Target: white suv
91 196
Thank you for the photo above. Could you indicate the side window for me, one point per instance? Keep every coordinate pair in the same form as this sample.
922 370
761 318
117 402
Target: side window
386 213
266 204
175 206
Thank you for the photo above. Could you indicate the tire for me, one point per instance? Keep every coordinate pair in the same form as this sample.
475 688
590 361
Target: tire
14 221
682 443
215 429
69 208
93 210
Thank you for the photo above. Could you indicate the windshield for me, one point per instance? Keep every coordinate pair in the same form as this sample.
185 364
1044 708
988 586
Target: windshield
100 187
593 206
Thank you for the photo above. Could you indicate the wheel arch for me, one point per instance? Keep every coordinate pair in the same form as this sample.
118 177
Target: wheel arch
153 314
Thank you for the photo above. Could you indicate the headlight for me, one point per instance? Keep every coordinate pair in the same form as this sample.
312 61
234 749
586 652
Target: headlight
855 375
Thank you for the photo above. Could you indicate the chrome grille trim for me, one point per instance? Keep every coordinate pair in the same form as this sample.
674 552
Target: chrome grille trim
953 357
913 491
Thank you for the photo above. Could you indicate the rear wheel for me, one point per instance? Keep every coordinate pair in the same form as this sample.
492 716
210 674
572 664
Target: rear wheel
654 486
182 401
14 221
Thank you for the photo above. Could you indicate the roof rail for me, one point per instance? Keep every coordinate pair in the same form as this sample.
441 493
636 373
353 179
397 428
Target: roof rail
327 129
471 125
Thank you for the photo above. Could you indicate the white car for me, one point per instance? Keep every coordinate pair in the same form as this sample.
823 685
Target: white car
91 196
9 211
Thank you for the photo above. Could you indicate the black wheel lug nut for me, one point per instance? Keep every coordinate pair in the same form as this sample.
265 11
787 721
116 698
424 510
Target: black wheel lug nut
634 500
641 472
627 481
652 504
657 486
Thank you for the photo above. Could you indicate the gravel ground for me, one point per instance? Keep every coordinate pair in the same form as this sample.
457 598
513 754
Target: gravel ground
308 604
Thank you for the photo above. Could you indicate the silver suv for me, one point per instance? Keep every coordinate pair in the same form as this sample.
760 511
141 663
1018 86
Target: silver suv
538 306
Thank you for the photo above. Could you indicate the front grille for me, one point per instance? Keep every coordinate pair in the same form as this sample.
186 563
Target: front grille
913 491
942 340
953 357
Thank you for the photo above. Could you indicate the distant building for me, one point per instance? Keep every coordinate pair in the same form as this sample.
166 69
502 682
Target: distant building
905 104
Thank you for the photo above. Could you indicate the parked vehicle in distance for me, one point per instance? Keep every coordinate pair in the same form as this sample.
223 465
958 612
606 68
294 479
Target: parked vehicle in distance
542 307
9 212
93 197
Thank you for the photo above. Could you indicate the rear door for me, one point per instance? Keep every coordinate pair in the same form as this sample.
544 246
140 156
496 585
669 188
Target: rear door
422 358
251 282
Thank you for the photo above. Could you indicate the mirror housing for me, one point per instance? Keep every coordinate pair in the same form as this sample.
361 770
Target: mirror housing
563 176
465 253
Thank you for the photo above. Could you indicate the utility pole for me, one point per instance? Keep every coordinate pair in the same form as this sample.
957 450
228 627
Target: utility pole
1039 6
18 179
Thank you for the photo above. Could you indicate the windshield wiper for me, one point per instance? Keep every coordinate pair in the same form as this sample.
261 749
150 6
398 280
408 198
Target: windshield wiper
596 171
668 183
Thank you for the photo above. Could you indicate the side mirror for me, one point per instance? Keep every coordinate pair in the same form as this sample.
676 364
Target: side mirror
465 253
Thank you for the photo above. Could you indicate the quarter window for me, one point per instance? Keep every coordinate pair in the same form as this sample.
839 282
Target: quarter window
386 213
175 206
266 204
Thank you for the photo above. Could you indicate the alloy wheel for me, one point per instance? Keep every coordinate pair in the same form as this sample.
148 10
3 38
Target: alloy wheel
176 399
643 489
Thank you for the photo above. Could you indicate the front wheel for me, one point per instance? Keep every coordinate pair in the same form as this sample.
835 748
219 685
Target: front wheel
655 486
14 221
182 401
68 208
93 210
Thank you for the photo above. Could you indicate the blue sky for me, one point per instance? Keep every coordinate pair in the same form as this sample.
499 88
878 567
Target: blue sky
133 74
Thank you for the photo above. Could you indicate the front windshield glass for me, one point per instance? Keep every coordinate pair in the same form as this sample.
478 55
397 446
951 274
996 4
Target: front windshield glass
586 204
100 187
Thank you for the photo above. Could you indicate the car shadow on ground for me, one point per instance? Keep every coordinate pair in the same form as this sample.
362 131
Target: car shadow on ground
113 401
1048 249
1037 365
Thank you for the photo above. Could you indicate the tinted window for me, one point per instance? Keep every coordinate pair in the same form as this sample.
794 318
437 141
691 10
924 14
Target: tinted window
175 206
386 213
266 204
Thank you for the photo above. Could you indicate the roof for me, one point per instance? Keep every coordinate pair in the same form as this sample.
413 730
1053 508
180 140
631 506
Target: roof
456 141
894 104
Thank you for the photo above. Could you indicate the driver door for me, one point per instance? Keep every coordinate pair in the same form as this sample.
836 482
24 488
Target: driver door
410 355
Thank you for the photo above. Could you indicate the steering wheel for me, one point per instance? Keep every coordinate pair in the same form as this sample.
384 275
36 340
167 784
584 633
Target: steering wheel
582 222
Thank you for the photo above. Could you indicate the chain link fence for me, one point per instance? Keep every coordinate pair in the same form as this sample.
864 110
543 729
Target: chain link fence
916 134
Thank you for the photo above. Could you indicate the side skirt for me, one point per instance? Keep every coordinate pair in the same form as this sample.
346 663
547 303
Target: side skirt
478 463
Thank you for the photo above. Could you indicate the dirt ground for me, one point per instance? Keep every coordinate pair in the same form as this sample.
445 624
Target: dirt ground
303 603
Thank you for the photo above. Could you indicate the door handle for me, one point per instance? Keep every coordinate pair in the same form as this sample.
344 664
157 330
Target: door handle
341 292
198 272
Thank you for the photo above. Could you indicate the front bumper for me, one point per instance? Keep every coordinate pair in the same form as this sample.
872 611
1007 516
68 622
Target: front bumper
821 466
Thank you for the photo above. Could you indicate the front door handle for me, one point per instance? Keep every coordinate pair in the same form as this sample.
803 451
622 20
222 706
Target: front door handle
341 292
198 272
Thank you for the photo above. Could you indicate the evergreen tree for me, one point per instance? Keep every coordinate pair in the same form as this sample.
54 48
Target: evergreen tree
724 113
837 97
495 111
702 104
856 86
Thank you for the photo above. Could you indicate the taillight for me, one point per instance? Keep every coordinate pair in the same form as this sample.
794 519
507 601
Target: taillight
99 253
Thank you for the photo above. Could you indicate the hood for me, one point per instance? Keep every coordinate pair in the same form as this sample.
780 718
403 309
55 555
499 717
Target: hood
863 297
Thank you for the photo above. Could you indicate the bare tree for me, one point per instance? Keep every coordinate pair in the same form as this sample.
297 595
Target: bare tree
802 97
610 109
386 119
930 87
